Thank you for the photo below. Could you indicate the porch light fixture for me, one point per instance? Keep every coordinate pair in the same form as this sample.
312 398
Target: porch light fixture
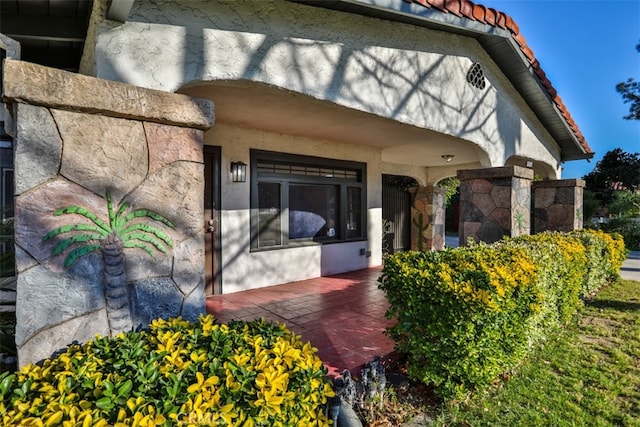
529 164
238 172
447 157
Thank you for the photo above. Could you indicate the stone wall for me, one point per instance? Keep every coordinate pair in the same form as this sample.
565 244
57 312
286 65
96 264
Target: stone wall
428 219
494 202
102 147
558 205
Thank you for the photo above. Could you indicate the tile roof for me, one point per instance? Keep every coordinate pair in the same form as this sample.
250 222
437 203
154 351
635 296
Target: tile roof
489 16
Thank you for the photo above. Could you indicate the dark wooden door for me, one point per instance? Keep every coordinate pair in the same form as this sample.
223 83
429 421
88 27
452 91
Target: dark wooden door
212 220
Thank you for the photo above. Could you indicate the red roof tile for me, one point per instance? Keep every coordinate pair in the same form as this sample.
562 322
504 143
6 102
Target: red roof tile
487 15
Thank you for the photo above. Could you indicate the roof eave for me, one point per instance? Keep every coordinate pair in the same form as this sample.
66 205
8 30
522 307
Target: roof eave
499 43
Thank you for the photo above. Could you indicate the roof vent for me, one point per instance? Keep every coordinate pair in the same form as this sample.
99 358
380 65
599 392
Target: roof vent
475 76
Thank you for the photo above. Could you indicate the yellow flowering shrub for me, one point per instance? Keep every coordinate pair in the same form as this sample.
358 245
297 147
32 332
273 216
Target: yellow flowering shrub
466 315
177 373
605 253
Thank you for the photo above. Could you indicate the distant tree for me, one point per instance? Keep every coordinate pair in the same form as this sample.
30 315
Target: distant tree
626 204
451 185
590 205
618 170
630 91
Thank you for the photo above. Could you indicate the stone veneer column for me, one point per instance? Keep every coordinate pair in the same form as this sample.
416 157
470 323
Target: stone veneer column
494 202
78 138
428 219
558 205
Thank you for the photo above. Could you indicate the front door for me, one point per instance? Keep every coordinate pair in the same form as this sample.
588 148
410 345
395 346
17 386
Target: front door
212 220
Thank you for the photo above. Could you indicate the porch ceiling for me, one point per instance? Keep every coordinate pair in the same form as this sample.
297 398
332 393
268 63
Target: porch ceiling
50 32
259 106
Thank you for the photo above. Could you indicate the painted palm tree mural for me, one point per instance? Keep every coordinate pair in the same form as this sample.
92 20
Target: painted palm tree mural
111 239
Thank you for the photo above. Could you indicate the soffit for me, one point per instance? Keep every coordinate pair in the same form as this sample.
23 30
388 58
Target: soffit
50 32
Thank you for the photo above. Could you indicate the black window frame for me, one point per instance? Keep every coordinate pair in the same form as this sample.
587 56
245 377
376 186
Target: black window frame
347 179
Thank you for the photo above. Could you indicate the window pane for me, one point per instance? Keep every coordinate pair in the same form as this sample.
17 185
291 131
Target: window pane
312 211
7 193
269 208
354 212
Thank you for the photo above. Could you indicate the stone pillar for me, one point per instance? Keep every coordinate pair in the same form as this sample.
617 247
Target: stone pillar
558 205
427 219
110 150
494 202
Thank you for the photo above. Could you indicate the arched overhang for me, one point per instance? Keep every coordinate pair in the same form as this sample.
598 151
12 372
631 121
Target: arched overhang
255 105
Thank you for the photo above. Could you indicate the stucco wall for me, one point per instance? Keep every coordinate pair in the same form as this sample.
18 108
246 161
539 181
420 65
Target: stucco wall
243 269
406 73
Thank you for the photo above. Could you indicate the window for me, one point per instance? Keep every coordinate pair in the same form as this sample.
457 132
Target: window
300 199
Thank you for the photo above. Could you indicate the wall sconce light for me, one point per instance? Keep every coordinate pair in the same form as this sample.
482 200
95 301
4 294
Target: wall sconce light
447 157
238 172
529 164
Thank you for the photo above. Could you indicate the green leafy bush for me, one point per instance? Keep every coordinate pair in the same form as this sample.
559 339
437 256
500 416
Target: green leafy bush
628 228
605 254
177 373
467 315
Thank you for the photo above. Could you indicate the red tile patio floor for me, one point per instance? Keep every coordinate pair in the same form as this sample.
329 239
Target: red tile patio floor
343 316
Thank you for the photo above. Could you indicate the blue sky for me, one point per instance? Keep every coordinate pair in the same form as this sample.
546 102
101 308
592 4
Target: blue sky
585 48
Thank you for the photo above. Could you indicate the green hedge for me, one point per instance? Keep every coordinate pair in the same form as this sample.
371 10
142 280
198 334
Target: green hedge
628 228
466 315
177 373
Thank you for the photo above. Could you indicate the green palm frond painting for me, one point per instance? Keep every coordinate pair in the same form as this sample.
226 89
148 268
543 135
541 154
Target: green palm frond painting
139 235
111 239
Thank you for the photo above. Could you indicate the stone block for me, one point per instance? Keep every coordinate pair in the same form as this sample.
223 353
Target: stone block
484 202
140 265
168 144
481 186
175 192
470 212
522 198
490 231
189 257
24 260
44 300
468 230
501 197
37 142
544 197
466 191
153 299
55 88
559 214
565 196
103 153
34 216
194 304
503 217
541 214
78 329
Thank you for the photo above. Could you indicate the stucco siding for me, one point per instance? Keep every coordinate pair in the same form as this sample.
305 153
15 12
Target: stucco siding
409 74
